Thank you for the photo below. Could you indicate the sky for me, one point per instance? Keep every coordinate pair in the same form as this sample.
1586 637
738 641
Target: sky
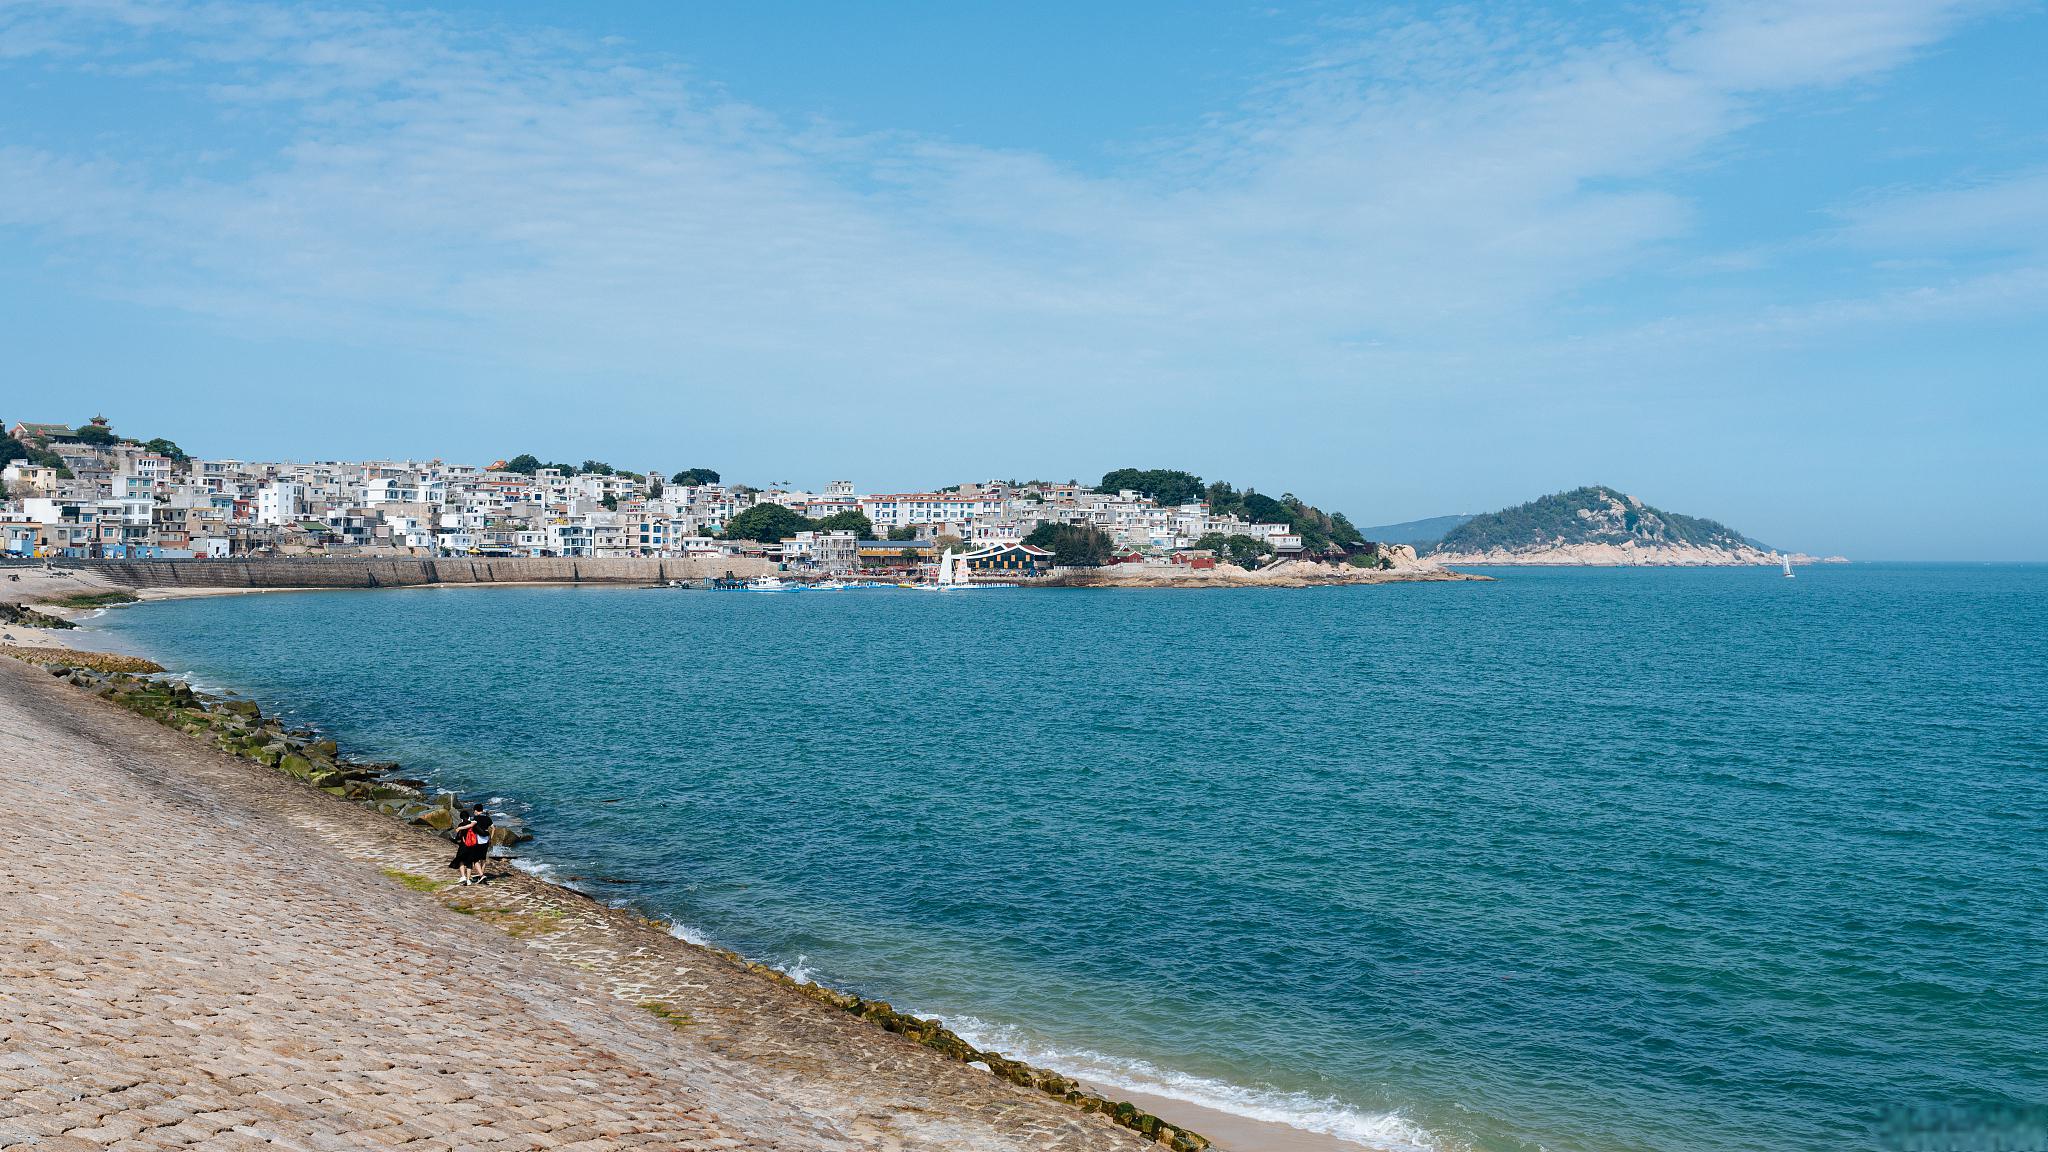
1781 264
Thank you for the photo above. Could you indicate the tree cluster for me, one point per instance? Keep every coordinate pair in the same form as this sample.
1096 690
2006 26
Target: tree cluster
770 523
97 433
1075 545
1241 550
1319 531
852 520
1163 485
526 464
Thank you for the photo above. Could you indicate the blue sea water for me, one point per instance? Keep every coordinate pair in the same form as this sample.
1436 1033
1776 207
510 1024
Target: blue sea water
1577 860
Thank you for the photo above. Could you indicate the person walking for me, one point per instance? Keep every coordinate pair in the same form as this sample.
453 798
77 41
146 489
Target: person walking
473 846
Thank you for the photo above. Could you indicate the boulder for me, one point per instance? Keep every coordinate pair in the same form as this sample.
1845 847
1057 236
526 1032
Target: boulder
508 832
439 814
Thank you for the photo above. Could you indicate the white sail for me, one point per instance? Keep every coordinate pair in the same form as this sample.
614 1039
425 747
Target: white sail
1788 566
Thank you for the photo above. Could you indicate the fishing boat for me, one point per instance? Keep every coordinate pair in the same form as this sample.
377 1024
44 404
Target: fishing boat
772 584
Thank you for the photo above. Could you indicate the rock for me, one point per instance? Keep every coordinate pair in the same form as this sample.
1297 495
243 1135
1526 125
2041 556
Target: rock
508 832
242 707
326 748
293 764
439 814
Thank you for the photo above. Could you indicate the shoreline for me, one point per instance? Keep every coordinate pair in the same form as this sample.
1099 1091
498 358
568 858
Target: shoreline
1151 1114
195 944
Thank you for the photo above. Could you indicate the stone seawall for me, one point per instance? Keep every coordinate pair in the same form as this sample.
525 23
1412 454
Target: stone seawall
408 571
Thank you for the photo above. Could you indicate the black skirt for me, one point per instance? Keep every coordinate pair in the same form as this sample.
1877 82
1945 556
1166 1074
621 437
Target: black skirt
470 854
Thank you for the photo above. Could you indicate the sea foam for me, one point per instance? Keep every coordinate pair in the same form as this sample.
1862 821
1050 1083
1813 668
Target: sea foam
1389 1131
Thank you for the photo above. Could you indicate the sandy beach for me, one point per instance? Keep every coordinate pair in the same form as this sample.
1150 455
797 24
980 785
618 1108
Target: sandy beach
520 1009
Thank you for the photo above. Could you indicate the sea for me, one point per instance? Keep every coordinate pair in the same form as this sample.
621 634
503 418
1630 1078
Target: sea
1577 859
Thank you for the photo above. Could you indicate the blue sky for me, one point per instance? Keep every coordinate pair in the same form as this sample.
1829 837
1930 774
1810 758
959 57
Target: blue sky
1781 264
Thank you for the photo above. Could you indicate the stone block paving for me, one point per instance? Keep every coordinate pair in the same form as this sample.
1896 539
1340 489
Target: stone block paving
198 953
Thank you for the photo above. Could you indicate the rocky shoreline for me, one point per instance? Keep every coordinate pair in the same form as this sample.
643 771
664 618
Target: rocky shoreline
1626 555
238 727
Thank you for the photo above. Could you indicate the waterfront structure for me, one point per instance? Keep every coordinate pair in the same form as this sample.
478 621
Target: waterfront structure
84 493
1008 560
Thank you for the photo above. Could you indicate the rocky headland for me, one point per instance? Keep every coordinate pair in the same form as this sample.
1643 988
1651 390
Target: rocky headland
1598 527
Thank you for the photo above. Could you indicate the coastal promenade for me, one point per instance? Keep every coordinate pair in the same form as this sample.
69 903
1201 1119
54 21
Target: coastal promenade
198 952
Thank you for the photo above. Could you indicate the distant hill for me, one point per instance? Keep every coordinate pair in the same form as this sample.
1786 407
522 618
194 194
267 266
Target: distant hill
1594 525
1419 534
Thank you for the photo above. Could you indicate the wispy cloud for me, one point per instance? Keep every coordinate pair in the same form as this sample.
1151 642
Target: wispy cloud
530 195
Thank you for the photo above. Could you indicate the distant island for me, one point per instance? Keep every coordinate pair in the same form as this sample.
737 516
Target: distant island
1420 535
1594 525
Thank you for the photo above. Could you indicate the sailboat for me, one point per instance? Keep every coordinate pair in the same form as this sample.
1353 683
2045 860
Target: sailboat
1787 560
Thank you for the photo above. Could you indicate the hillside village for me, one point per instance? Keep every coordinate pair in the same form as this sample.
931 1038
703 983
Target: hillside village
87 492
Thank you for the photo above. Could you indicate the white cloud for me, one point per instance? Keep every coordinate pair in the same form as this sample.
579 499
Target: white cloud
2006 213
1759 45
539 198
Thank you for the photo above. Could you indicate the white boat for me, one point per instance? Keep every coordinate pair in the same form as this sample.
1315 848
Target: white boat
771 584
1788 566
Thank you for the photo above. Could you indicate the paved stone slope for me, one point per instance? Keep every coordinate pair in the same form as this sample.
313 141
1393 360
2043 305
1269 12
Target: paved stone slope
196 952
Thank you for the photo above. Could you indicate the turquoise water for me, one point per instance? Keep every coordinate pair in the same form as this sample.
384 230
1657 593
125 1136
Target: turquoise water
1581 859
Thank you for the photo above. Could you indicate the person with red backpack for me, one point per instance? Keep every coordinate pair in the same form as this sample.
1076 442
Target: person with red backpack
473 846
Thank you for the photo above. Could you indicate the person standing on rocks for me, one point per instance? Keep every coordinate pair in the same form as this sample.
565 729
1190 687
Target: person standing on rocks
473 845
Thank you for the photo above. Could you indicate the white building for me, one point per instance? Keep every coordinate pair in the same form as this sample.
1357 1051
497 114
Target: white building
280 502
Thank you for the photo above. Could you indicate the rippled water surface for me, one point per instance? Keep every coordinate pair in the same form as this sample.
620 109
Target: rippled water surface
1582 859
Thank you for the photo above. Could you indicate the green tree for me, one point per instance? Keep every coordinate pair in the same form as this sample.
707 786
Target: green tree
694 477
163 447
852 520
1261 509
767 523
12 449
1164 485
904 532
95 433
526 463
610 502
1245 551
653 485
595 468
1212 542
1076 545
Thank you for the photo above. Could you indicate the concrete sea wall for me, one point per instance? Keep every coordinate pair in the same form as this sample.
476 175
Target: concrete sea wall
407 571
